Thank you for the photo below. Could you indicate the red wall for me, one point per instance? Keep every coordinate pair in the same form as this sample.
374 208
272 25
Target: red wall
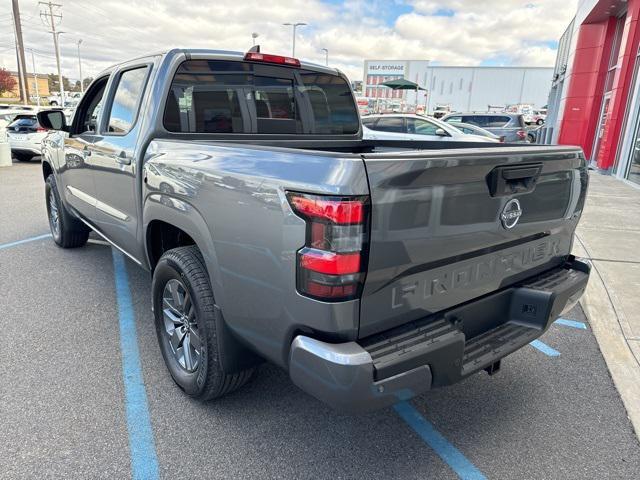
586 85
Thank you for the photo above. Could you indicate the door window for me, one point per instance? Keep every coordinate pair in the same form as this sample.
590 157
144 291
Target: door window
88 112
390 124
421 127
126 100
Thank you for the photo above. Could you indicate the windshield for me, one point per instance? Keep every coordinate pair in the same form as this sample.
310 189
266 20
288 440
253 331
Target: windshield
219 96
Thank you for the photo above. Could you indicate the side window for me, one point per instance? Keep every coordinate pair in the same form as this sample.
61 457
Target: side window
497 122
454 119
480 120
126 100
390 124
420 127
86 118
368 122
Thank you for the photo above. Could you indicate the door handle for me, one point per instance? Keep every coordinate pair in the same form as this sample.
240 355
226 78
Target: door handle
123 159
511 180
86 152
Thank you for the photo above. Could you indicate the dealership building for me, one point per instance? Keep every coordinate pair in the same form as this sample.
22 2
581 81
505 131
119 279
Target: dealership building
461 88
595 95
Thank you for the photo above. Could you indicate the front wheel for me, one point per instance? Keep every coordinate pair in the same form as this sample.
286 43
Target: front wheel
539 121
185 318
66 230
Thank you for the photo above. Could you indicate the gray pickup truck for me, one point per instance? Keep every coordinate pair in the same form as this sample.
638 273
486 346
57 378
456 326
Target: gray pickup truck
371 271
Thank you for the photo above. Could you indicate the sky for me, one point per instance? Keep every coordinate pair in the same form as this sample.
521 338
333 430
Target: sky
455 32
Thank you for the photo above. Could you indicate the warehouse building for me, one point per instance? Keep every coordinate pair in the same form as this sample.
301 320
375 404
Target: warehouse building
461 88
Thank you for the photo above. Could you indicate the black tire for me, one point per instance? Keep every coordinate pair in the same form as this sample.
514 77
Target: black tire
23 157
69 231
539 122
206 380
531 139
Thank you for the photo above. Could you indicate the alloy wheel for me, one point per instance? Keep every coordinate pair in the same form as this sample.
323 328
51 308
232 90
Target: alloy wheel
181 326
54 214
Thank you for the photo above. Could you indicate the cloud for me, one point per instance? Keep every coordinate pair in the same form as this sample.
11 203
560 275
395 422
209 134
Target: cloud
456 32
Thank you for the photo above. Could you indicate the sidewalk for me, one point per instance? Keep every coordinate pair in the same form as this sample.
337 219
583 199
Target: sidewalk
609 235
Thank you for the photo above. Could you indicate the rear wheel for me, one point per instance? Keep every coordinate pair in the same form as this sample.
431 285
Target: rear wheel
23 157
185 318
539 121
66 230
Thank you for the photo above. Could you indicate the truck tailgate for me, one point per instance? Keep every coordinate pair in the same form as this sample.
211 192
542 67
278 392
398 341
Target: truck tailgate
442 228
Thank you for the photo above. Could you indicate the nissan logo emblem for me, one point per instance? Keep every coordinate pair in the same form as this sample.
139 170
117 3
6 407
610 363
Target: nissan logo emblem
511 213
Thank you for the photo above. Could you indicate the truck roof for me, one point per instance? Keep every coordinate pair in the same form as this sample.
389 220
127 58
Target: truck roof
214 54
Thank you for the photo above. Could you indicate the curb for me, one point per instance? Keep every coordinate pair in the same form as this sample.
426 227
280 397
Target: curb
622 364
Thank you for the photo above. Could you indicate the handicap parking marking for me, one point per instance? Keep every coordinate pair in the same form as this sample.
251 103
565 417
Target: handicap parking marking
544 348
144 459
571 323
25 240
445 450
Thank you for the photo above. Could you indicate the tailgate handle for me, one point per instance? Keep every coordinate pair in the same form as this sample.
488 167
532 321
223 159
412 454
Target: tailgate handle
504 181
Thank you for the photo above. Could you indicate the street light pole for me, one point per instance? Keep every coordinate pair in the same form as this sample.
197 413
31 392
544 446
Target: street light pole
254 35
80 67
326 56
293 43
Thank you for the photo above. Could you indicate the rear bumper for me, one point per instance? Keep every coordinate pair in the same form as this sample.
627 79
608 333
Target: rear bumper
438 350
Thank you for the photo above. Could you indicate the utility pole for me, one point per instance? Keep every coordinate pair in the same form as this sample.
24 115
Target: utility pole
254 35
35 76
326 56
294 25
24 89
80 67
49 19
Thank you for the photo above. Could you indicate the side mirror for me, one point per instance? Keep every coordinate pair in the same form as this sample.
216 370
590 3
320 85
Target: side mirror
441 133
52 120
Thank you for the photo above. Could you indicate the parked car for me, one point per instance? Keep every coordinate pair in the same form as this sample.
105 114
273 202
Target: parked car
371 271
414 127
511 126
71 99
471 129
539 116
25 135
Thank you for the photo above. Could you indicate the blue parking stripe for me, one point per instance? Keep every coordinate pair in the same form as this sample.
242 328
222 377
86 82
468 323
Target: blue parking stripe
26 240
571 323
144 460
447 452
544 348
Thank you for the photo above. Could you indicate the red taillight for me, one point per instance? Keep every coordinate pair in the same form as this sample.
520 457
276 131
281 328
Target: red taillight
42 129
521 134
331 264
267 58
337 212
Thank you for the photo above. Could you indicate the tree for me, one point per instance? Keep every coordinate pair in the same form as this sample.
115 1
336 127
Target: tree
54 83
7 82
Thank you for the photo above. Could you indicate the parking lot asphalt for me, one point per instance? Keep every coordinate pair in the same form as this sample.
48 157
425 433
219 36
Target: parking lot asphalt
64 400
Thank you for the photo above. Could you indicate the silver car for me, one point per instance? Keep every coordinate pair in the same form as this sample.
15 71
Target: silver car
509 126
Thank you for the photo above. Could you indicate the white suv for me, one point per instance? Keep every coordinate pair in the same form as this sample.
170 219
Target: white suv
25 136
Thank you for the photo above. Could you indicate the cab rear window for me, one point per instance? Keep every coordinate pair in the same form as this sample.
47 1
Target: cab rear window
234 97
